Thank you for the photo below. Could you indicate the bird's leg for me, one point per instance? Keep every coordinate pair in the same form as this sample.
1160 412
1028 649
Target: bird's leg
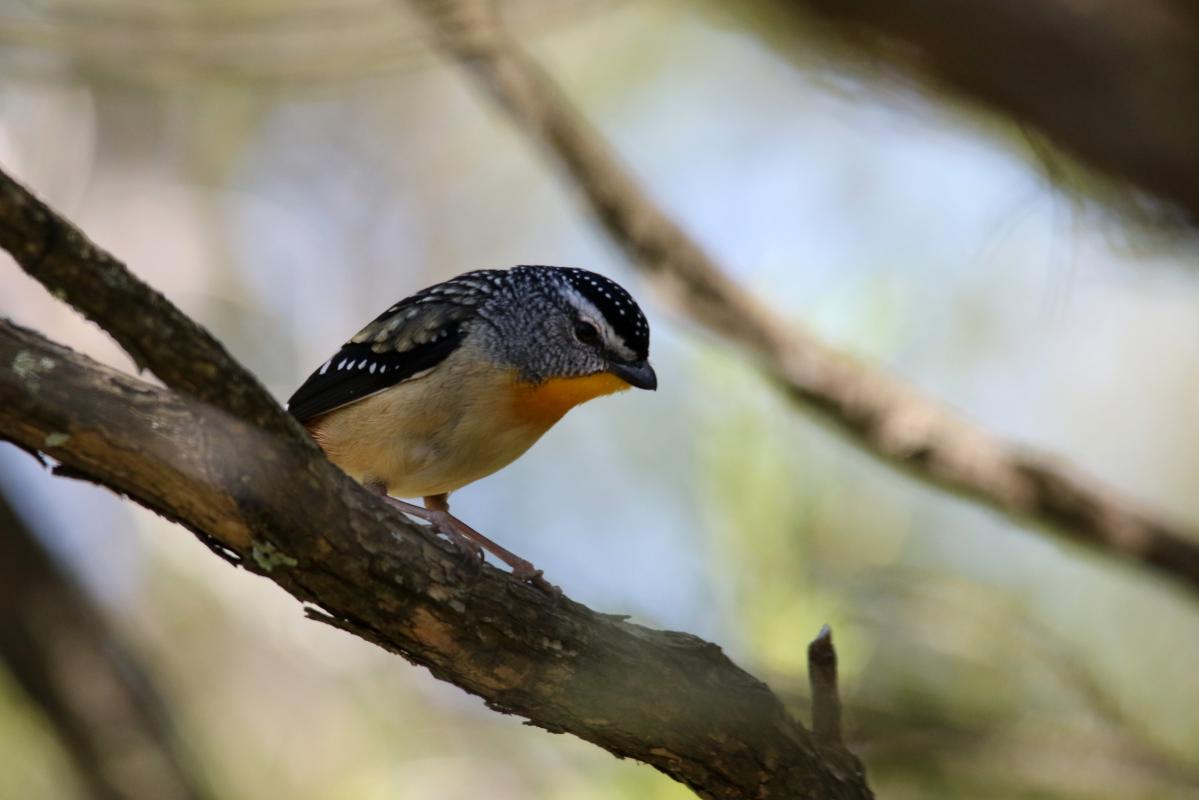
469 548
438 508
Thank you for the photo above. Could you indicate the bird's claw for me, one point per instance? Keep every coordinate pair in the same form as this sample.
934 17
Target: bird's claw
526 572
553 591
445 524
472 551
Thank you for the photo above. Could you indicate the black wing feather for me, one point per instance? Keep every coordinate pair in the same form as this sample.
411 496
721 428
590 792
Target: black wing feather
414 335
348 376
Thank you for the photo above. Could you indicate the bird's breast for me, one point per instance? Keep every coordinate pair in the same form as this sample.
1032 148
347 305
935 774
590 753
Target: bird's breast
462 422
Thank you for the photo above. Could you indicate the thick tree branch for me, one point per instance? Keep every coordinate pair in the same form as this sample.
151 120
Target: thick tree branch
157 335
103 705
668 699
877 412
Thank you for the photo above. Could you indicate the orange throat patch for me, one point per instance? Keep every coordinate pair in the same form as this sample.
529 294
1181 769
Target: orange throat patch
546 403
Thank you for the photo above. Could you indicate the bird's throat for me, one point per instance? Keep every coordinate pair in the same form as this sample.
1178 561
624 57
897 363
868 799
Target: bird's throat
545 403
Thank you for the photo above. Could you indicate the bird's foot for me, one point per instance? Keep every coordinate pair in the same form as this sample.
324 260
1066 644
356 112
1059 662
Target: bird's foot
521 569
457 530
443 522
473 544
526 572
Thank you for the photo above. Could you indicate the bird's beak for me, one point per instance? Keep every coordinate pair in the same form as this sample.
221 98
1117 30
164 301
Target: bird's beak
637 373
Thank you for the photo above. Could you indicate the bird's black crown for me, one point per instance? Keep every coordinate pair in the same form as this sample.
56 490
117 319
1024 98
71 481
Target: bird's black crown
617 305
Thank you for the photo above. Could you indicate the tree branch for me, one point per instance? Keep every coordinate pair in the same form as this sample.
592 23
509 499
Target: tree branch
157 335
1104 80
822 677
877 412
59 648
668 699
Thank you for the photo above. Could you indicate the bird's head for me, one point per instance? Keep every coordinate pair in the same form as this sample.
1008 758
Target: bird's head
558 324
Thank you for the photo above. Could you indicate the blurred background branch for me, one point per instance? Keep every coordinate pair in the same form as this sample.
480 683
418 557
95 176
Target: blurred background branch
878 412
1108 81
298 44
92 688
1102 84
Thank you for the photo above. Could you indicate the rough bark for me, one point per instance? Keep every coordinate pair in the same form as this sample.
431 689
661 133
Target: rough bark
274 505
104 707
876 411
156 335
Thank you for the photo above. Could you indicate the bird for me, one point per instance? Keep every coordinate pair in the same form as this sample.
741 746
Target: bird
458 380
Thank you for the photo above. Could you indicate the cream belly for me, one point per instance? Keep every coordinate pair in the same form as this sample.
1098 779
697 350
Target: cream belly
431 435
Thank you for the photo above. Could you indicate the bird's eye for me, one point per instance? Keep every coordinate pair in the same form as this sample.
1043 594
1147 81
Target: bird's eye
586 333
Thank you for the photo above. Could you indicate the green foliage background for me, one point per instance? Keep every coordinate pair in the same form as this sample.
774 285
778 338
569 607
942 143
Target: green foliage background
285 171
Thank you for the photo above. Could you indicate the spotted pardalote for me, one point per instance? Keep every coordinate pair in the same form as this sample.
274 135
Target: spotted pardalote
458 380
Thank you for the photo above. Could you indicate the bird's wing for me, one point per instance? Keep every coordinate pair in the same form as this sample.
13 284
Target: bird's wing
413 336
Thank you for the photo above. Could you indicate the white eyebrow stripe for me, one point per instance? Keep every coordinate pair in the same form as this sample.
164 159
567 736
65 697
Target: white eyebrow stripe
591 312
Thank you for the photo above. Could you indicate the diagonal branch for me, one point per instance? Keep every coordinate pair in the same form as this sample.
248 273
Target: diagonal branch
157 335
668 699
877 412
